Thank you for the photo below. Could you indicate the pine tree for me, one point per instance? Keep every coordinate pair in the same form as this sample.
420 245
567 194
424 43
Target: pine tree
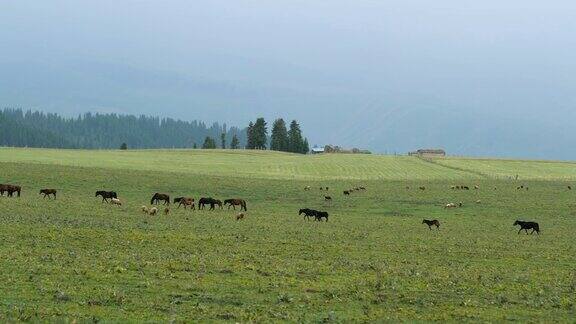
260 134
296 142
279 140
223 140
195 146
250 136
305 147
124 146
235 142
209 143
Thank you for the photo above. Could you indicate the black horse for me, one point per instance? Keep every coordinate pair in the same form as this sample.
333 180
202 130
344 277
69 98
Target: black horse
307 213
209 201
319 215
106 195
48 192
528 225
157 197
11 189
431 223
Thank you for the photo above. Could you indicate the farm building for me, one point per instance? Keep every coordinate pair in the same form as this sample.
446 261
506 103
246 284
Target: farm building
428 153
317 150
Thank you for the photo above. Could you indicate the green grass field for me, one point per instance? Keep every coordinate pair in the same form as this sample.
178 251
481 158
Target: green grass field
76 258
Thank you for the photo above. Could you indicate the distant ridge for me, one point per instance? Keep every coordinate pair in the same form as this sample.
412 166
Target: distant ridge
21 128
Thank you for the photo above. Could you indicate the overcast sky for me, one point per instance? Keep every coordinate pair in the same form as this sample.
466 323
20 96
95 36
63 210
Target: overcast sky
512 56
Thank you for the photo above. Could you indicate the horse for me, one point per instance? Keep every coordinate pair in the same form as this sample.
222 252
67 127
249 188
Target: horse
215 202
431 223
202 202
48 192
236 202
319 215
185 201
528 225
307 213
346 192
160 196
327 198
422 188
10 189
106 195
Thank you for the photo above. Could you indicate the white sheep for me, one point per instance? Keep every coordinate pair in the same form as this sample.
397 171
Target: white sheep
153 211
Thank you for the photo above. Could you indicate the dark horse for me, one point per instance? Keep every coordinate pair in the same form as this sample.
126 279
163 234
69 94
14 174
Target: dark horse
209 201
160 196
307 213
319 215
106 195
10 189
431 223
528 225
48 192
185 201
236 202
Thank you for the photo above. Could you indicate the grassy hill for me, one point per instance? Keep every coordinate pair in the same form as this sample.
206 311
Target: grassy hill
275 165
77 258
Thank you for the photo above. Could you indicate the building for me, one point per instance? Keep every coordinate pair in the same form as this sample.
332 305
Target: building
428 153
317 150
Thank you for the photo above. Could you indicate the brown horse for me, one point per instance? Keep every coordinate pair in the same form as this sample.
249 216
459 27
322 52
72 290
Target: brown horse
236 202
48 192
157 197
106 195
186 201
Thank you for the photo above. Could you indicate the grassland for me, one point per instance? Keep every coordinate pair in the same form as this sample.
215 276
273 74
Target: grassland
75 258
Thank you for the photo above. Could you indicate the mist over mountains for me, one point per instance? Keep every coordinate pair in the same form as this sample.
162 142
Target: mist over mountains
483 79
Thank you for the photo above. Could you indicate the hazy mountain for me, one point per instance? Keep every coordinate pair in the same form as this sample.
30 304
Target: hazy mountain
476 78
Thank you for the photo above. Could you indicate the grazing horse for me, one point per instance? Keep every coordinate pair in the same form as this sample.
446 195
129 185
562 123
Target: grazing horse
186 201
307 213
422 188
327 198
431 223
528 225
106 195
236 202
319 215
202 202
48 192
214 203
10 189
569 187
160 196
346 193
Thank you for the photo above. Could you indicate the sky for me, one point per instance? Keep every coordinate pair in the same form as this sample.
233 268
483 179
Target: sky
338 65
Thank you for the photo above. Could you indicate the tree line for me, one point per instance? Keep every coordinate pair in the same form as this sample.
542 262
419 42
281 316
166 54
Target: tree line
107 131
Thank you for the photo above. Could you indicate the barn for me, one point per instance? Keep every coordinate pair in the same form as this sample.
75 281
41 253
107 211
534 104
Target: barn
428 153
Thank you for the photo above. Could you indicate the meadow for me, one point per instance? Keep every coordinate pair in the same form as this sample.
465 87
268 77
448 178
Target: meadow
75 258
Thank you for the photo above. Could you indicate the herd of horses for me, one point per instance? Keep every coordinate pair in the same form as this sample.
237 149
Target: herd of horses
189 202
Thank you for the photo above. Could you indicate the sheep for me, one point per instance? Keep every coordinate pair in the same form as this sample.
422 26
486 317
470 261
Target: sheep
116 201
450 205
478 201
476 187
307 188
144 209
239 216
153 211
